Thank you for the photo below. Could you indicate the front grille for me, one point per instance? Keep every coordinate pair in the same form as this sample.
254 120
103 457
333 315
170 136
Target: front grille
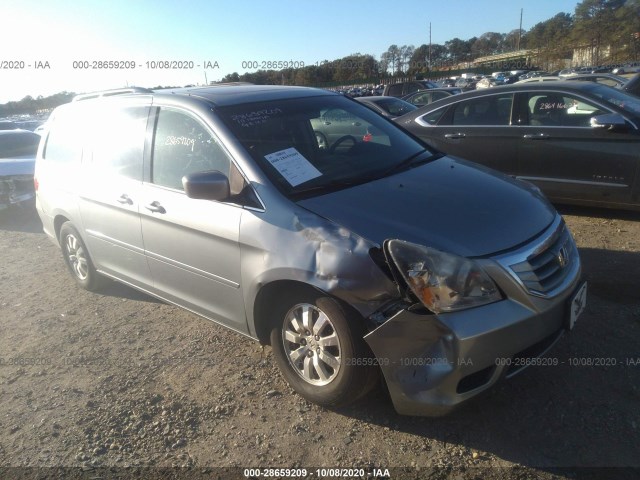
544 271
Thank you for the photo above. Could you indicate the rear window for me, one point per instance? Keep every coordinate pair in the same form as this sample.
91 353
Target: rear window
64 141
18 144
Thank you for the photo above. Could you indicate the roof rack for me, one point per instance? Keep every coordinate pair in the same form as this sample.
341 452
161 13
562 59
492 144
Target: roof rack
109 93
227 84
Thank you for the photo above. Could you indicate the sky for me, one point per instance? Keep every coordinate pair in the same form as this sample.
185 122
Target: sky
48 44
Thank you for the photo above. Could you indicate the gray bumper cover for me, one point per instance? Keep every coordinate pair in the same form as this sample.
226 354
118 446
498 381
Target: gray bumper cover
424 357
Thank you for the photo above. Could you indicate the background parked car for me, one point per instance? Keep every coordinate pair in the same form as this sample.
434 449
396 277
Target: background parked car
390 107
466 83
17 162
336 124
633 85
608 79
578 141
424 97
8 125
487 82
629 68
448 82
401 89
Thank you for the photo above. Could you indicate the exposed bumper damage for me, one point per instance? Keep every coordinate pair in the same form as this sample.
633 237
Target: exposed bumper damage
16 189
432 363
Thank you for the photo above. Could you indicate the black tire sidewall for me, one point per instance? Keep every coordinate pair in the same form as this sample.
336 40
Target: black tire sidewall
92 281
349 383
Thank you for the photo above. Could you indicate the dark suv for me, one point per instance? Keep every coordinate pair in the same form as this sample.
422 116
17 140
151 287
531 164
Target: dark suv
405 88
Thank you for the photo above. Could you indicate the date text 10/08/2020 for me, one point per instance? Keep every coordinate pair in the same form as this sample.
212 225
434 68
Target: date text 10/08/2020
319 473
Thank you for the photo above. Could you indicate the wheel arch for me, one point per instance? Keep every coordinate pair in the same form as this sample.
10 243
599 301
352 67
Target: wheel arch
279 291
57 225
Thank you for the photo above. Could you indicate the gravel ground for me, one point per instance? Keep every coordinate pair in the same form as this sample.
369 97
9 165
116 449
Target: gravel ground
91 383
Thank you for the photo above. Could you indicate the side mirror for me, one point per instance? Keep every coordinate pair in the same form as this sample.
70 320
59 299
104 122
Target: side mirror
609 121
207 185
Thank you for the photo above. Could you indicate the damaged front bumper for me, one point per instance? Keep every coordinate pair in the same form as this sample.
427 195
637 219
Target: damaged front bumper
433 363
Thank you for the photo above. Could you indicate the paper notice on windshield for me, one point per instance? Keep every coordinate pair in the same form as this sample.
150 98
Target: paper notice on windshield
293 166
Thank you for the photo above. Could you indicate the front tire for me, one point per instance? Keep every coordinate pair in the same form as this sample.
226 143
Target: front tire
318 345
77 258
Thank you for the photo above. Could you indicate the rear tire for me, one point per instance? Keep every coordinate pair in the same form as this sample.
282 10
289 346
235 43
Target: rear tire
77 258
318 345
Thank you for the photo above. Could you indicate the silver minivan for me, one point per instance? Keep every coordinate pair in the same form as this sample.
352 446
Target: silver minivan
352 256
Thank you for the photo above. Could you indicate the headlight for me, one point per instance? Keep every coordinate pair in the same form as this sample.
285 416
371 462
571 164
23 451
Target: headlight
442 281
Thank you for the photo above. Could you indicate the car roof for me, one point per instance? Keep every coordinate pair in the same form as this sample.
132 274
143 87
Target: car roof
540 79
566 86
439 89
376 97
225 94
238 94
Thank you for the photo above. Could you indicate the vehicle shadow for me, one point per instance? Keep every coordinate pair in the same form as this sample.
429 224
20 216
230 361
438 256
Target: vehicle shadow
595 212
581 412
120 290
21 219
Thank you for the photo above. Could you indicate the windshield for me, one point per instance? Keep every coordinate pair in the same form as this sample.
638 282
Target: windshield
315 143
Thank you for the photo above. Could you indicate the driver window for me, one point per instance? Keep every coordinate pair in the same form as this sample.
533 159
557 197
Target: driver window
560 110
182 145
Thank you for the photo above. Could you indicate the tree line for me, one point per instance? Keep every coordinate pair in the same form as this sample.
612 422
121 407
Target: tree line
609 28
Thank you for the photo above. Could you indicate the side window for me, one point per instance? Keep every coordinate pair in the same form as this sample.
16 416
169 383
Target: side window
65 138
182 145
395 90
421 99
489 110
438 96
550 109
119 147
432 118
413 87
393 106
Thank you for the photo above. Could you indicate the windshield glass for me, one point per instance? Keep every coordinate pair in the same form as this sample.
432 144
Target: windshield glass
315 143
616 97
395 106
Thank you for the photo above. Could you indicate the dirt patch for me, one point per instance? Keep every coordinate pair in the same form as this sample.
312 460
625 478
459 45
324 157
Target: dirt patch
95 382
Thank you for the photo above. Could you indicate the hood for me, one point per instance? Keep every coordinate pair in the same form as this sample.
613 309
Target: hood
448 204
17 166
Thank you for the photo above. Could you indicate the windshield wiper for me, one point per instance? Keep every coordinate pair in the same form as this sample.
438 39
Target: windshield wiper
329 187
341 184
410 161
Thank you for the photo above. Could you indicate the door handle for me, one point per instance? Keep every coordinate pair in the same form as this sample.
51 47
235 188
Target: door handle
125 199
536 136
356 124
155 207
327 123
454 135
